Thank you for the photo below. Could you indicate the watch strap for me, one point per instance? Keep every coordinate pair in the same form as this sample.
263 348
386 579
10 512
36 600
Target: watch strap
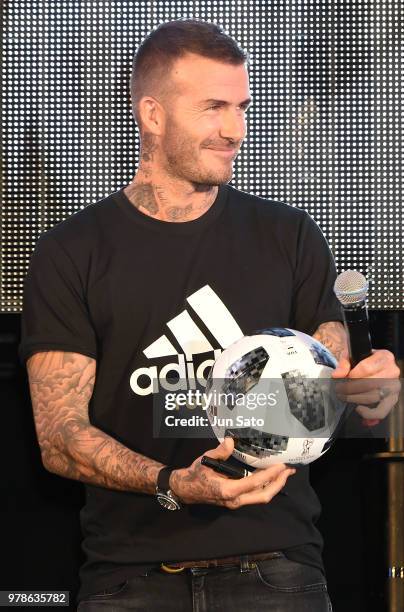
163 478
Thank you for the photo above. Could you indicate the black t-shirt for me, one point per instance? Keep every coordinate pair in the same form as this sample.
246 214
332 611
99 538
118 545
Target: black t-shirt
137 294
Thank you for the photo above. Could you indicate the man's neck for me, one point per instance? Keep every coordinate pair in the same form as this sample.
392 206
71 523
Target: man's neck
155 195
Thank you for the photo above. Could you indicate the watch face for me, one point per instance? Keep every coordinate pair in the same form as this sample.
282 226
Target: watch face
167 502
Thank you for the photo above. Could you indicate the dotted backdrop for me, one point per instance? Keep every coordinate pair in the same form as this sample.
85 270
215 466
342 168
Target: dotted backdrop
324 131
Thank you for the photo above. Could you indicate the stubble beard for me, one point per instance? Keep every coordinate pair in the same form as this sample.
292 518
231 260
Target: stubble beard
183 160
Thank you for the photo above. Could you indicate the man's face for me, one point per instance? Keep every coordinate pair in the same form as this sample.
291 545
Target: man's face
205 120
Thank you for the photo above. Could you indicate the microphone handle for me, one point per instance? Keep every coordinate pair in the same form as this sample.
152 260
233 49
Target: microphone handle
357 327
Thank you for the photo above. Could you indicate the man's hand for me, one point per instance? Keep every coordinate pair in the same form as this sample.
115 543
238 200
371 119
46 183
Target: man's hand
199 484
373 380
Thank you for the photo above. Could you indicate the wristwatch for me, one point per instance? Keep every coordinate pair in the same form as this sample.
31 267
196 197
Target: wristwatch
164 495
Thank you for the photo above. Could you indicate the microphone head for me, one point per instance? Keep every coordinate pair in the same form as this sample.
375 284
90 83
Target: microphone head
351 287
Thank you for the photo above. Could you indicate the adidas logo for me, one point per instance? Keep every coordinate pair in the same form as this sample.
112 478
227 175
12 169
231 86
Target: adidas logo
210 310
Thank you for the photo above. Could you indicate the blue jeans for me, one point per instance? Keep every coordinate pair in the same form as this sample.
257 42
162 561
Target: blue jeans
276 585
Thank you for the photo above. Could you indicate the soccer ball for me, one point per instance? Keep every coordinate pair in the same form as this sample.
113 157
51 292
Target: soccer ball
273 393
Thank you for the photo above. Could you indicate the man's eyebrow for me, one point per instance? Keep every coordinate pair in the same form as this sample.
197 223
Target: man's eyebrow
224 102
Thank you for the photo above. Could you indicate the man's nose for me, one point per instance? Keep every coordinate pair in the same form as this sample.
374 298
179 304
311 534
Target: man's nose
233 125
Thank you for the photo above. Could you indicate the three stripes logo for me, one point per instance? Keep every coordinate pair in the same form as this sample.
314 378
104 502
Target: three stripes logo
209 308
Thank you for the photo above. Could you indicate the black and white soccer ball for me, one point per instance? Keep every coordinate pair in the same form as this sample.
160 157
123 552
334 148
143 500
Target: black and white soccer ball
272 392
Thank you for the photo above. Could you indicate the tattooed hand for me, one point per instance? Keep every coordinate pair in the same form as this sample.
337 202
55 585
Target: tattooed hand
198 484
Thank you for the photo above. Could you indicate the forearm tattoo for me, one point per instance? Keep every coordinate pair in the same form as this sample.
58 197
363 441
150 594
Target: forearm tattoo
61 386
333 335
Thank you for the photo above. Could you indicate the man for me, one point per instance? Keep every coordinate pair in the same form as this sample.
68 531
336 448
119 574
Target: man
159 277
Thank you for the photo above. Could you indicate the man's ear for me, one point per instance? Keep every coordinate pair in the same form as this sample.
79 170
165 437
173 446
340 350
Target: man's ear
152 115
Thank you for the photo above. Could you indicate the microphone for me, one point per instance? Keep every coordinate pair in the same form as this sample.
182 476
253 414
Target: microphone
351 289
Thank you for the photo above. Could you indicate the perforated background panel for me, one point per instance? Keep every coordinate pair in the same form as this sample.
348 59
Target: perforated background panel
324 131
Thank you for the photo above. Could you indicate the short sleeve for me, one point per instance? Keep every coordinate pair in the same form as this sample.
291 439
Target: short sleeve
314 300
55 315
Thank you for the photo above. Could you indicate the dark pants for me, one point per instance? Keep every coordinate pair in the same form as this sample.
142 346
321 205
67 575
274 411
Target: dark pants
276 585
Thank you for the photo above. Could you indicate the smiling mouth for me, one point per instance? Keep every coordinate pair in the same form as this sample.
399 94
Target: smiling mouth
225 152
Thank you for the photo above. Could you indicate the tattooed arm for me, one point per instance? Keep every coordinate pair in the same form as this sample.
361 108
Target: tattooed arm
61 385
333 335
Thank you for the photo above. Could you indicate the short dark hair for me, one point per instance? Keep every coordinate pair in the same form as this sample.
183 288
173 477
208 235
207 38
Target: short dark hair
172 40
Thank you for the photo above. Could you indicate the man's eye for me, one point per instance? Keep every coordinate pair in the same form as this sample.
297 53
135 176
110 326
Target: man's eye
217 106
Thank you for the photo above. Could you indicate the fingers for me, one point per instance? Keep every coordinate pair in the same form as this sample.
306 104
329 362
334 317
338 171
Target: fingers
361 385
356 391
260 477
201 484
263 494
223 451
382 409
342 368
380 364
